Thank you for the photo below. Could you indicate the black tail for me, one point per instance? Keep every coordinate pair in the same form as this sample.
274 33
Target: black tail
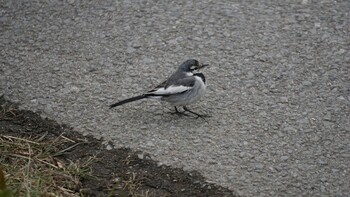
129 100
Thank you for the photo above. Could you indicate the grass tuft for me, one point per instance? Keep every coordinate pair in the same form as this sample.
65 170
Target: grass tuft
32 168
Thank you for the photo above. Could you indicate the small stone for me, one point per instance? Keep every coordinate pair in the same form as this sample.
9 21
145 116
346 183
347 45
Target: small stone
197 38
328 116
315 138
43 116
250 75
322 162
165 142
149 143
307 83
341 98
143 127
284 158
280 134
340 52
210 32
250 156
242 154
284 99
74 89
157 117
303 121
111 8
109 147
328 124
347 128
263 114
130 50
335 170
172 42
136 44
259 166
289 129
140 156
48 109
71 1
227 33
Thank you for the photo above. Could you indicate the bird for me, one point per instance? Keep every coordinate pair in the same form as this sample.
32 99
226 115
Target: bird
181 89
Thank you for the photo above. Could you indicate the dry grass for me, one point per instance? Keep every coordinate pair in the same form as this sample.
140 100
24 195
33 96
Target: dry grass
131 187
32 168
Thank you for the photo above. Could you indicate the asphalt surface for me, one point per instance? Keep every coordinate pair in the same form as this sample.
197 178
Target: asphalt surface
278 85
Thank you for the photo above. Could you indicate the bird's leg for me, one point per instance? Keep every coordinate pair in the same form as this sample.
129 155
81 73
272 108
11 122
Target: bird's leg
192 112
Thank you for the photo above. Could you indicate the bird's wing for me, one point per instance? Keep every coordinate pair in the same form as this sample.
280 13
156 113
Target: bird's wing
175 87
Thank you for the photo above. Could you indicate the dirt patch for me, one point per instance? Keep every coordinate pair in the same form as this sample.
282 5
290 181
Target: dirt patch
116 172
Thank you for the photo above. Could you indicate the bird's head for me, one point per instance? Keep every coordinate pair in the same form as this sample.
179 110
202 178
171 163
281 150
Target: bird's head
192 65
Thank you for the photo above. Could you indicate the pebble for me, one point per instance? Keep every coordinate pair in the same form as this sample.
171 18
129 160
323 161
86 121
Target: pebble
289 129
250 75
307 83
284 99
315 138
48 109
304 2
322 162
259 166
347 127
109 147
242 154
140 155
130 50
150 143
284 158
328 124
328 116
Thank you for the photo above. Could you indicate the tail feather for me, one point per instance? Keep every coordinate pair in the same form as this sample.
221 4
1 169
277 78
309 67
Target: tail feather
129 100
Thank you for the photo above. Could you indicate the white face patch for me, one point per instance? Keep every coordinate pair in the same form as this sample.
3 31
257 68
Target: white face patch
188 74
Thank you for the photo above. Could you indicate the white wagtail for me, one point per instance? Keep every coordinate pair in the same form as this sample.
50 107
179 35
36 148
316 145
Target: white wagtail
181 89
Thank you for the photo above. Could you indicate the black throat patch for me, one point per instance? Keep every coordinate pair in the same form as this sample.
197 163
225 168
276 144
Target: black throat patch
200 75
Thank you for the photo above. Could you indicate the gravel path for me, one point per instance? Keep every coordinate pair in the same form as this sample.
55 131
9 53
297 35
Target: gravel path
279 84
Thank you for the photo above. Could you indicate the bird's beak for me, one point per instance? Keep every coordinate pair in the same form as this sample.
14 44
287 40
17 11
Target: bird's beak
201 66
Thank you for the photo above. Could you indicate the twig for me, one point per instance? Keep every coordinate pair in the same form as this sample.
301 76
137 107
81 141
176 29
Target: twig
67 138
64 150
21 139
45 162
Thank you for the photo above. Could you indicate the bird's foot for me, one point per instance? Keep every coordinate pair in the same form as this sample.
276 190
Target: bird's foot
198 115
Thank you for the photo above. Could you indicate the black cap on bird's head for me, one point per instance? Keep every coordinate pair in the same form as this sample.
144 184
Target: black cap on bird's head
191 65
